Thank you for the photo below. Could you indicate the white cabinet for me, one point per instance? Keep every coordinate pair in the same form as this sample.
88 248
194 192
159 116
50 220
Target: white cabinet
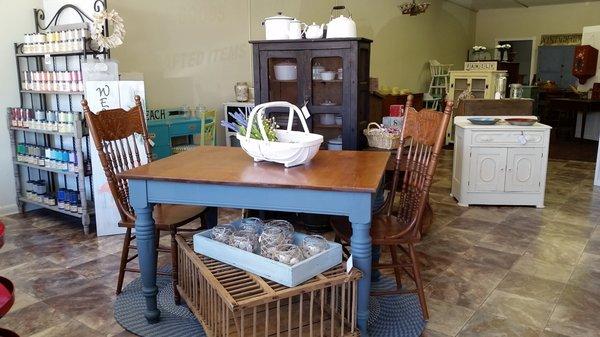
500 164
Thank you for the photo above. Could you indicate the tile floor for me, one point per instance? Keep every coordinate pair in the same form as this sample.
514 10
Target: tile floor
490 271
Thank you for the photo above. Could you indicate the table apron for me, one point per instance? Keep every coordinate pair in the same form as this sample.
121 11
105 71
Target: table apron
356 205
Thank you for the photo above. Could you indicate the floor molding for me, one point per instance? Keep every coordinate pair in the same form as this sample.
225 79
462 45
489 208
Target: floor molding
8 209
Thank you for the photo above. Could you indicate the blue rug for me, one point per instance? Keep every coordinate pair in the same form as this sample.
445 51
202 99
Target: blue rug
388 315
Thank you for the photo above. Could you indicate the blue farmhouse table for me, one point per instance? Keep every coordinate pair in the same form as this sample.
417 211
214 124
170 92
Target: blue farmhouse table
335 183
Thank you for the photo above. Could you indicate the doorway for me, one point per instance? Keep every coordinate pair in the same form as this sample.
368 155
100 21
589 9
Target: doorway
521 52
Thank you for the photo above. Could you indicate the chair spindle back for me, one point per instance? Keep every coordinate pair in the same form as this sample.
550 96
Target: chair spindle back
423 134
114 133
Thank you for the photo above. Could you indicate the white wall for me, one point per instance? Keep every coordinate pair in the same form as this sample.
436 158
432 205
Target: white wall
17 19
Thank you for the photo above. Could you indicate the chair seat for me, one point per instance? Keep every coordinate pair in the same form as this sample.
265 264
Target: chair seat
167 216
383 227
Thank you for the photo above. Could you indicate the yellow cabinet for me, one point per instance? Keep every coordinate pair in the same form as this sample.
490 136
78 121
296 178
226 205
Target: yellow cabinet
481 83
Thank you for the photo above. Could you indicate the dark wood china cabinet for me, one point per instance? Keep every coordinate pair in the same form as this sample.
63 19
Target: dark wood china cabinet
345 95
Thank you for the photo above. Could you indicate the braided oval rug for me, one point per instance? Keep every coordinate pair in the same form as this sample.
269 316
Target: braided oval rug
388 315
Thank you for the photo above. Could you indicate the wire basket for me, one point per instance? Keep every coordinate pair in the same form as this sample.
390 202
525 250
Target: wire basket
380 138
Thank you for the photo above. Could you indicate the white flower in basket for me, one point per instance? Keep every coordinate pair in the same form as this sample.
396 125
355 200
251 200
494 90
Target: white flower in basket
291 148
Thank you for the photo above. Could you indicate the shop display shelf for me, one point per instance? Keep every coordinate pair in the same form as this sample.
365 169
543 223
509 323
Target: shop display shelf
44 168
50 92
54 208
47 132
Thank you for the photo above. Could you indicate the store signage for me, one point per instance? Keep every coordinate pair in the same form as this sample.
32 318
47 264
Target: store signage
481 66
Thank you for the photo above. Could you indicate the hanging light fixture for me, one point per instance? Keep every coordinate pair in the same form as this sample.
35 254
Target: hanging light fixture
413 8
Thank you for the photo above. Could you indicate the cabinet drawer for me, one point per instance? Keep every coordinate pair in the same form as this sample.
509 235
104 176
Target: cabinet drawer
182 129
159 152
159 134
508 138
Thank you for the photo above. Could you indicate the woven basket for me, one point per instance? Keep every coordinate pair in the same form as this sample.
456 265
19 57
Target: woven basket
380 138
291 148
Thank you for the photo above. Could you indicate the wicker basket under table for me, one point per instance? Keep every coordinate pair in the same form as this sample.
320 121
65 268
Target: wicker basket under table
232 302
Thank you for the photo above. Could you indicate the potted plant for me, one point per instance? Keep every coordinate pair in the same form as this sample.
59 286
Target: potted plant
503 49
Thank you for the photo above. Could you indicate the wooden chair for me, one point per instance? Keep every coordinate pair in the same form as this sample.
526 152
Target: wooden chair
114 133
397 225
207 132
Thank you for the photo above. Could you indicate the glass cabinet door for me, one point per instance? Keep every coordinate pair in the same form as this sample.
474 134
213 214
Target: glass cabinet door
478 87
327 97
283 79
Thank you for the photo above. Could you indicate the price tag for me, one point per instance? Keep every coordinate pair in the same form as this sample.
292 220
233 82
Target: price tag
151 142
305 112
522 139
47 59
349 264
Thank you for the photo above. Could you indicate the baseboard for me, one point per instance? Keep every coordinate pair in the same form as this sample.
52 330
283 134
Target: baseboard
8 209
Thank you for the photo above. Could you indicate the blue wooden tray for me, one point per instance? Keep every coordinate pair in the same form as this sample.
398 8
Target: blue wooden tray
281 273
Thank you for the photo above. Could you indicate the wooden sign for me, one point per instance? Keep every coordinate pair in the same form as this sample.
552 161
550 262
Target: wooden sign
481 66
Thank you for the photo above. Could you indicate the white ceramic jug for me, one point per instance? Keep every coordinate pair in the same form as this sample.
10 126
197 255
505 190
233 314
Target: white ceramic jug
297 27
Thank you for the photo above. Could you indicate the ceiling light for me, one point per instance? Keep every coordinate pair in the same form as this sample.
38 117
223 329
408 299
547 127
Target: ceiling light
413 8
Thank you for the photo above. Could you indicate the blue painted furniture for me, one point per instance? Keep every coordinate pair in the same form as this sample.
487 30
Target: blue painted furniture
334 183
170 132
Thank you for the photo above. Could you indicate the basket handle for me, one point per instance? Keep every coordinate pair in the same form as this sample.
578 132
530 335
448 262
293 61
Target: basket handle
373 123
259 112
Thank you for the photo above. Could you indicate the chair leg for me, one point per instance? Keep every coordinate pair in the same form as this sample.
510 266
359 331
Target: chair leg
397 269
124 257
175 266
345 251
419 283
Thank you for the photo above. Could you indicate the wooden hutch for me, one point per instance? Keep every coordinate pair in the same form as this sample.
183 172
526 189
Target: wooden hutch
346 96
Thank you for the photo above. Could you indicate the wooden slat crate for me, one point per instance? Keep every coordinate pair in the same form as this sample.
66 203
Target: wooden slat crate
231 302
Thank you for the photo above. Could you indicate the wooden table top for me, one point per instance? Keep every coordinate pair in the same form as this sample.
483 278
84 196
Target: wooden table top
355 171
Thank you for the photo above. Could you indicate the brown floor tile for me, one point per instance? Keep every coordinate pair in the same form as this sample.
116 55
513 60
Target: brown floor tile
75 302
482 324
532 287
465 284
490 257
44 279
590 261
105 265
518 309
100 318
32 319
70 328
572 322
23 299
475 225
586 279
489 213
529 265
447 318
580 299
557 250
431 333
593 247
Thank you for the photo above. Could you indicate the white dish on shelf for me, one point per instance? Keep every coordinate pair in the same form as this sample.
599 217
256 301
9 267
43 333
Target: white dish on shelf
286 71
327 119
328 75
338 120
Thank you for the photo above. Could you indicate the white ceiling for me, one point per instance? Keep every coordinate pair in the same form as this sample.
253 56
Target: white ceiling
489 4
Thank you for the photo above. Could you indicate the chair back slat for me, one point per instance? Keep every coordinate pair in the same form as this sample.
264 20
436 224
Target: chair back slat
115 135
421 142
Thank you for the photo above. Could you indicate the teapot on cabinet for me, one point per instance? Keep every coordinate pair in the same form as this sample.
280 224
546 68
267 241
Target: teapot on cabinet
341 26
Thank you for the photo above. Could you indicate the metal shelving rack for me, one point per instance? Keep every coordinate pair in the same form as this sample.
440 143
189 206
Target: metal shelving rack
42 100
